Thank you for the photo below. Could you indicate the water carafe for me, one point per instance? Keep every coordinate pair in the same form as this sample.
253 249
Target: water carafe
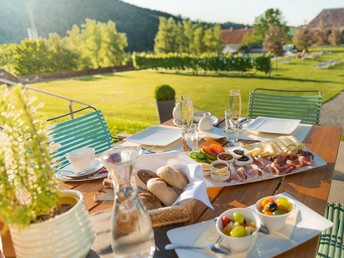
132 231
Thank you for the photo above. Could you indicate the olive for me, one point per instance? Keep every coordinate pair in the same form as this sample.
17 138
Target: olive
244 158
272 206
239 152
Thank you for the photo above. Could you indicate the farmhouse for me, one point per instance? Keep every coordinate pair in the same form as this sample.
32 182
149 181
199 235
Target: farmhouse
329 19
233 39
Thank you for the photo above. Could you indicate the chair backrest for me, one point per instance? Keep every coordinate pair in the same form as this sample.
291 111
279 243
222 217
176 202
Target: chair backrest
295 104
86 130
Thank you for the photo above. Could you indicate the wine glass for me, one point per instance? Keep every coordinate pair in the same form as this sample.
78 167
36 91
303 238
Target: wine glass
186 110
235 112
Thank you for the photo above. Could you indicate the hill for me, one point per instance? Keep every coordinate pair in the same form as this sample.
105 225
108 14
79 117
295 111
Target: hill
140 24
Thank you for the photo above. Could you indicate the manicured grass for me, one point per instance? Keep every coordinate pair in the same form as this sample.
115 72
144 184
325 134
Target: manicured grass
128 104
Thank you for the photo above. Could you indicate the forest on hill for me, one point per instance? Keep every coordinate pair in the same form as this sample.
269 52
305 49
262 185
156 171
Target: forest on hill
139 24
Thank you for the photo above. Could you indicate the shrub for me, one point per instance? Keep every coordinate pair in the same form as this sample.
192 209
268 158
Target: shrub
164 92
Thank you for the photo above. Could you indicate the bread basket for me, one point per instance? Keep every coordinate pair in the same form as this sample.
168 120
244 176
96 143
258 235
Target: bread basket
180 213
173 214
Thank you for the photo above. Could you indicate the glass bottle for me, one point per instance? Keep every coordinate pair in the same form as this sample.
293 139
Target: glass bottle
132 231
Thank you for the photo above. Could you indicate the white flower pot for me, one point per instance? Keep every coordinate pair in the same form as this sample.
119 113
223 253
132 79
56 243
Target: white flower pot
67 235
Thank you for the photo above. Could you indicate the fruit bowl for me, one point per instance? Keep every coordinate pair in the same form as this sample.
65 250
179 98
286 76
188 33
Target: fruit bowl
236 241
275 218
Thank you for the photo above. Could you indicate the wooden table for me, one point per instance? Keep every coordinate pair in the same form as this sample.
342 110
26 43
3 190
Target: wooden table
311 187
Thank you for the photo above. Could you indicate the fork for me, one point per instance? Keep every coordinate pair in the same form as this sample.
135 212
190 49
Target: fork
215 247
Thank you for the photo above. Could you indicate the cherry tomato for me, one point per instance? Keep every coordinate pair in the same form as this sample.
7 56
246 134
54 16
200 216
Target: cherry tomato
225 221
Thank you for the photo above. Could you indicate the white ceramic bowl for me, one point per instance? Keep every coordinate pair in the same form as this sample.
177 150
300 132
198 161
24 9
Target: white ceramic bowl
274 222
214 167
239 244
221 156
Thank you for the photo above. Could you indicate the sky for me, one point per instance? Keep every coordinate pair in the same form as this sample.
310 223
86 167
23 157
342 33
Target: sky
295 12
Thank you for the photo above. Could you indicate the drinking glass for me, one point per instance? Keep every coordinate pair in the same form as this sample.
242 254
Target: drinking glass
189 138
235 112
186 109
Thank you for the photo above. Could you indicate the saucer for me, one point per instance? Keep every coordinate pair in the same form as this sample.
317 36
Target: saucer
69 171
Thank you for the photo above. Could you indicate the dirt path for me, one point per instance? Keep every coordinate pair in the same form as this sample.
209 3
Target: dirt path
332 112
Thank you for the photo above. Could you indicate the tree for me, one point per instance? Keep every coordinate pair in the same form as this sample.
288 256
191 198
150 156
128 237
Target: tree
212 40
32 57
334 38
275 38
197 46
97 44
166 37
302 39
262 23
319 37
62 58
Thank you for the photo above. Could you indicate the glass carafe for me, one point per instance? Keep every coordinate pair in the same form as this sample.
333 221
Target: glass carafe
132 231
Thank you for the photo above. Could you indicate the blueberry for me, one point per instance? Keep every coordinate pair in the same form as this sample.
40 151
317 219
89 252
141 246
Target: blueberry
272 206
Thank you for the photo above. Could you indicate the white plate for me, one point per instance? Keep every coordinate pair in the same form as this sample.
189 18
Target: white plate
59 176
69 170
64 175
308 225
318 162
273 125
215 133
156 136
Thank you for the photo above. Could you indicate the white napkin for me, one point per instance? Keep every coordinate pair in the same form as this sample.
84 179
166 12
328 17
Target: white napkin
196 189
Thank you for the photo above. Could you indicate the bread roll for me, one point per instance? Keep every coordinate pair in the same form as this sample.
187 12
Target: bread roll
144 175
150 201
160 189
172 177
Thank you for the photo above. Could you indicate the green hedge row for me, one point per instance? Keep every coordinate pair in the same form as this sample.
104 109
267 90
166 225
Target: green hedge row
209 63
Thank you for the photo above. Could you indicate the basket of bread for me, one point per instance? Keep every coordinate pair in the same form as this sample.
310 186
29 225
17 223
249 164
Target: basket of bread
163 188
169 185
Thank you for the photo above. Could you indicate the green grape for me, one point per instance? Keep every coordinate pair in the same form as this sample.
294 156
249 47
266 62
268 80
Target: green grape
238 231
238 217
279 212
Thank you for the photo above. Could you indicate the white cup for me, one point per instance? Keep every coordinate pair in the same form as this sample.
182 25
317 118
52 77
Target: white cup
82 159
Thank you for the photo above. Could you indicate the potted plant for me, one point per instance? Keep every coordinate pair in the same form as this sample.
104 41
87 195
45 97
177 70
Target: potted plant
165 101
43 220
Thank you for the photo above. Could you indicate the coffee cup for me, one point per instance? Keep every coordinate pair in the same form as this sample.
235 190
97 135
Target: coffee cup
82 159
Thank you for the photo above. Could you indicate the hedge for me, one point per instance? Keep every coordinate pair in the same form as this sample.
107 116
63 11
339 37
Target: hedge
206 63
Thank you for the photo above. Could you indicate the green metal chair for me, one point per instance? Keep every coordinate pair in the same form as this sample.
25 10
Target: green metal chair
295 104
331 240
86 130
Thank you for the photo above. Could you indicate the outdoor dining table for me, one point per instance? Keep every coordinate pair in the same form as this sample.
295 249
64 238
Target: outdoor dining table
311 188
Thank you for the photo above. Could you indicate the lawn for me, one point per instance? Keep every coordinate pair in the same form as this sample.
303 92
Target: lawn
127 101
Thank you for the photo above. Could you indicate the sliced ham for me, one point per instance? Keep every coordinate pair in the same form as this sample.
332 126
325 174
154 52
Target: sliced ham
235 177
261 162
